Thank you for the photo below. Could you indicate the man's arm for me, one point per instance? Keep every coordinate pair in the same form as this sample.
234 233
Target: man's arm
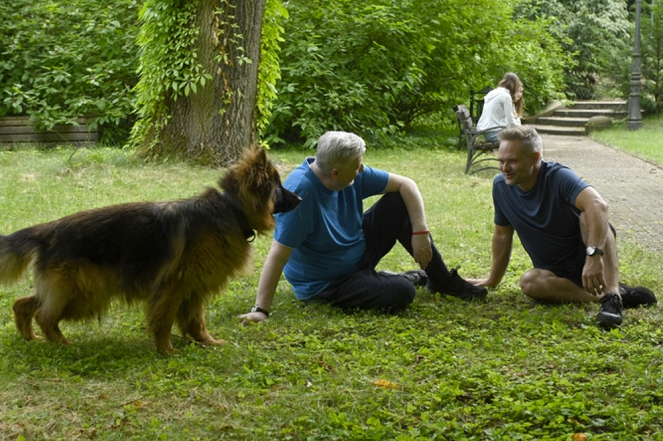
502 245
595 218
269 278
414 203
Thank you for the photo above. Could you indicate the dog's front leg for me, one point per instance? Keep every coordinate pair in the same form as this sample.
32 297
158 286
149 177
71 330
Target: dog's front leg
191 321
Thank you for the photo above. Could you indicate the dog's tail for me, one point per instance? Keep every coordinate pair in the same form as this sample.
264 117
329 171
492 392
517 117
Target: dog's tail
16 254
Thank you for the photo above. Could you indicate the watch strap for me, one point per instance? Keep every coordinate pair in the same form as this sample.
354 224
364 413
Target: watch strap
595 250
257 308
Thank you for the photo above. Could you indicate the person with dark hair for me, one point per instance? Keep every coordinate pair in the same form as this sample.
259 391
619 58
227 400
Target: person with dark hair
562 223
503 106
328 247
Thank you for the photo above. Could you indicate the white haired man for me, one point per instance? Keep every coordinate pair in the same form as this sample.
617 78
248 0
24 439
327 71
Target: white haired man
328 247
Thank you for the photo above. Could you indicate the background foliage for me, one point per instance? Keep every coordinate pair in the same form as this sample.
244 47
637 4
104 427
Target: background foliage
66 59
373 68
595 33
169 65
269 71
652 55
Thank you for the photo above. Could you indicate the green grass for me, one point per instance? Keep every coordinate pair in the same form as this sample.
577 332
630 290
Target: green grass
645 142
503 369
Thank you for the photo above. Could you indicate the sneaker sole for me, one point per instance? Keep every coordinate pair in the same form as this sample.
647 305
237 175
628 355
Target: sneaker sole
608 321
466 298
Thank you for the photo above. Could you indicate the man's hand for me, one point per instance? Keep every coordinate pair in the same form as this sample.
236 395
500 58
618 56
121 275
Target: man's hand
592 275
481 282
422 249
252 317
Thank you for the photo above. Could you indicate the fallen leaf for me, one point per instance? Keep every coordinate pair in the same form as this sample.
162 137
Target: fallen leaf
386 384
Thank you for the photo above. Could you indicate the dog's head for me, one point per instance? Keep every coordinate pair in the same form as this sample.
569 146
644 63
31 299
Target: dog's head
254 184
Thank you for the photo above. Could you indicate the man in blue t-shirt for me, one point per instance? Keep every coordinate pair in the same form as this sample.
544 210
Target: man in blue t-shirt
328 248
562 223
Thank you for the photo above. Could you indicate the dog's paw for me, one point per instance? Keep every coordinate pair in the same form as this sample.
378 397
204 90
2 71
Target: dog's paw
167 350
210 341
215 342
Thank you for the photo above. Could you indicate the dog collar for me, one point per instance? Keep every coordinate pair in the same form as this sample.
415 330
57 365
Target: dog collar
247 231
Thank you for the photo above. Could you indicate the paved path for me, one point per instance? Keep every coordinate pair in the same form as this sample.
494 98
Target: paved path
632 187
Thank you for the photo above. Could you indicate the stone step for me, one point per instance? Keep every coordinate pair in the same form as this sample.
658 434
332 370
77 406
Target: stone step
588 113
611 105
572 119
562 121
557 130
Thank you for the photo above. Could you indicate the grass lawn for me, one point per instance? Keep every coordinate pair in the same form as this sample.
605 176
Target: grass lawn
645 143
500 369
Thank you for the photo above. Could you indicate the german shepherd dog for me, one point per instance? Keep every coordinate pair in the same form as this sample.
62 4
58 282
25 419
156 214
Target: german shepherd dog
173 256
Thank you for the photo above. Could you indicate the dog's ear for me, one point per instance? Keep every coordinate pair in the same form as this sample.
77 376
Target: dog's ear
256 164
261 156
255 157
252 169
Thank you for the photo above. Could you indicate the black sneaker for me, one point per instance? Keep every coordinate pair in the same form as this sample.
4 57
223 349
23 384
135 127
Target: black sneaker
456 286
610 314
416 277
634 296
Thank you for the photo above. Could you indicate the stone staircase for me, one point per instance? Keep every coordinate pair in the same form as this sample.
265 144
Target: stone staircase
571 120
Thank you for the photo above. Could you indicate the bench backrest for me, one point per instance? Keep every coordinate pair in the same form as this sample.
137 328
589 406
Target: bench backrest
464 118
476 102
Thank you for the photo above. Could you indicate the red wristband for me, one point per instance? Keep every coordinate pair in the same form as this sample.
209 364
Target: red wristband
416 233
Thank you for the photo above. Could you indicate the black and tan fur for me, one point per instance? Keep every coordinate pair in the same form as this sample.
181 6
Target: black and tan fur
173 256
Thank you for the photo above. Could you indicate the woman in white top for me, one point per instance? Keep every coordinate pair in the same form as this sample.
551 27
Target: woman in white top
503 106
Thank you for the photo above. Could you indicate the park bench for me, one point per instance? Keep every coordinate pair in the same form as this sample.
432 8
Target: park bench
474 141
476 109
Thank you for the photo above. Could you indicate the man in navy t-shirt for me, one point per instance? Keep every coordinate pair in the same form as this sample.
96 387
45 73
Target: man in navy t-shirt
562 223
328 247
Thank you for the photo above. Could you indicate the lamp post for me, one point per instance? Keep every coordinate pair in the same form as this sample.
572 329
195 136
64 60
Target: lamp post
634 115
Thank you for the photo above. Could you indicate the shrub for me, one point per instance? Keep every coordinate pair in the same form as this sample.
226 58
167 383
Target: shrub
374 68
593 33
66 60
652 55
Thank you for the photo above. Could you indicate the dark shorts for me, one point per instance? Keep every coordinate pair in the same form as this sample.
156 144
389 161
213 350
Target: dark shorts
573 270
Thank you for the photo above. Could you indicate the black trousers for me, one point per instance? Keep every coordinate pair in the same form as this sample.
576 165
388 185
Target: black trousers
384 224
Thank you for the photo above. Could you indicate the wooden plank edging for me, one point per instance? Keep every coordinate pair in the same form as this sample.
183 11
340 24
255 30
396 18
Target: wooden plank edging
18 129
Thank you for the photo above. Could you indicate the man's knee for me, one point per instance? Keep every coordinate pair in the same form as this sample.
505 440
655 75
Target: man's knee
526 282
389 208
530 283
393 200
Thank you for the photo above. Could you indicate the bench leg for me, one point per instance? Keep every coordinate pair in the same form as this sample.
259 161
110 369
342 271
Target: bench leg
470 159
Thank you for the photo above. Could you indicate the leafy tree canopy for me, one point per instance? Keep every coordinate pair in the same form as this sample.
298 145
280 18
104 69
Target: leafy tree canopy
595 33
376 67
652 55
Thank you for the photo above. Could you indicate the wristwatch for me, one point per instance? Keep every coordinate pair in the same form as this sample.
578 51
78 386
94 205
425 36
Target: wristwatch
592 251
259 309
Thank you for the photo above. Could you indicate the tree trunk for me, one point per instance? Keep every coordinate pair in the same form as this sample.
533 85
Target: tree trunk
214 124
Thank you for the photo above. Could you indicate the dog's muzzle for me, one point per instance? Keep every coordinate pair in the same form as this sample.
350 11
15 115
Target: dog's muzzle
285 200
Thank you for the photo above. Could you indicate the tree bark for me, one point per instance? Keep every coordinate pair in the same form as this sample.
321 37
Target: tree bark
215 124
